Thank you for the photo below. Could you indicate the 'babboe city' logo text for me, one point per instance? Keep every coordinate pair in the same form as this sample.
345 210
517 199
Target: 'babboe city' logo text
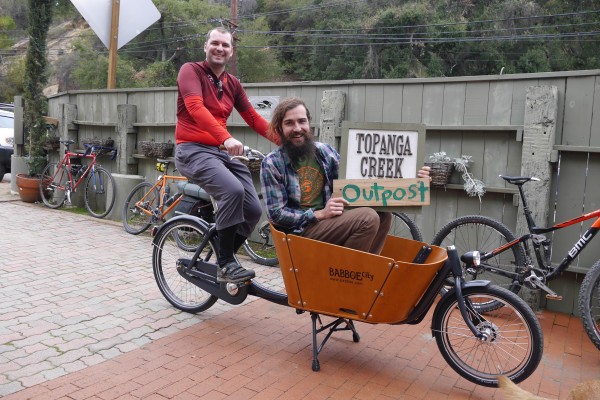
349 275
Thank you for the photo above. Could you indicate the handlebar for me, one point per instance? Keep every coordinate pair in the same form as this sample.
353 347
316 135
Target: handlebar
90 148
250 154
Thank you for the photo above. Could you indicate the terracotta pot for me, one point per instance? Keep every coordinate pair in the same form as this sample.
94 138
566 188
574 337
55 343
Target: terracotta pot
29 188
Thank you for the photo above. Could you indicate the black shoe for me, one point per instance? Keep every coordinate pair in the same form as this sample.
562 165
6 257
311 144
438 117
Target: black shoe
233 272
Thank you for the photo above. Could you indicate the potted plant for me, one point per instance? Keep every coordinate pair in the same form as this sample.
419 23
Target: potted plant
40 17
441 168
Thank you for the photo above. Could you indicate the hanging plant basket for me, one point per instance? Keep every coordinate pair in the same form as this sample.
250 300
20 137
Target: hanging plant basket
51 143
152 149
97 142
87 142
253 166
440 172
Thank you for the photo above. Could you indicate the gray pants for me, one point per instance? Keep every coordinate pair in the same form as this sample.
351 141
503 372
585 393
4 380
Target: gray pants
226 179
359 228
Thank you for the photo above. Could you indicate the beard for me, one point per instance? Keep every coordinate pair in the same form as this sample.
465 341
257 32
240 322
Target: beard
302 152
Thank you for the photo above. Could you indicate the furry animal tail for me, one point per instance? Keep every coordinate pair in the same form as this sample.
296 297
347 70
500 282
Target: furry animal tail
513 392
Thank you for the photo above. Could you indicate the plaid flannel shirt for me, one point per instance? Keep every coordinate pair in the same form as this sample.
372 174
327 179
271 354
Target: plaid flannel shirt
281 187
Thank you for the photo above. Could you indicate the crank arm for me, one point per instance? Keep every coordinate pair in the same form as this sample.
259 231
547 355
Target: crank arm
537 282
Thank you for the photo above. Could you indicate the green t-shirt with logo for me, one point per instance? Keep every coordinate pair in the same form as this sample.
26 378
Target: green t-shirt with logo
311 177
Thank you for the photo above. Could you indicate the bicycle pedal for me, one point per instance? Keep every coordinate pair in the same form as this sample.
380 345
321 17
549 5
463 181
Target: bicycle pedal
550 294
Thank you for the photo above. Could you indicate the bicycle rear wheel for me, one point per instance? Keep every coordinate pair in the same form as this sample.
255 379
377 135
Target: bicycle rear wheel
135 220
262 251
589 304
513 342
100 192
477 232
175 241
405 227
53 183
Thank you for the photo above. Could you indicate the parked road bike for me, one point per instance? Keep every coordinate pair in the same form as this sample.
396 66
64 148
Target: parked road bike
59 180
507 260
149 205
345 286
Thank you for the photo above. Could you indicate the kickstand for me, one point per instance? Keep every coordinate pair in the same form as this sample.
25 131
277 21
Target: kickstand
332 327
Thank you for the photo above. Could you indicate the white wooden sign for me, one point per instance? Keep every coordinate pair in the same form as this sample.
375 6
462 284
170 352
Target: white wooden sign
374 153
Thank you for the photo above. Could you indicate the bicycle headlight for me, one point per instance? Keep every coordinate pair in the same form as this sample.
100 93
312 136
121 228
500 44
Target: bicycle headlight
471 258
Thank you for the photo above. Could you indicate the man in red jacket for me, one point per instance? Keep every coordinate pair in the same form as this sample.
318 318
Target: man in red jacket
206 97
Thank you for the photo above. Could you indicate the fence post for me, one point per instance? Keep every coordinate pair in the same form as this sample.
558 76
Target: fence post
332 114
66 128
126 139
539 128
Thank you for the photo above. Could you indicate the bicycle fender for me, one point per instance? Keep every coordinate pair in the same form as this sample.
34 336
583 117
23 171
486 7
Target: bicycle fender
452 292
190 218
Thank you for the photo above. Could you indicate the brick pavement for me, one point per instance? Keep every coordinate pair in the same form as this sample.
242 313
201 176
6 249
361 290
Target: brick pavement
75 291
92 325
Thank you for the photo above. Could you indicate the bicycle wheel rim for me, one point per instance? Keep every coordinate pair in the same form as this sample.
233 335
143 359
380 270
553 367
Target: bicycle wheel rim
262 250
589 304
52 185
594 304
175 242
135 220
404 227
99 195
512 347
484 234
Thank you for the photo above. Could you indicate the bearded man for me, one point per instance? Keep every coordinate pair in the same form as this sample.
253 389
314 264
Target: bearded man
297 183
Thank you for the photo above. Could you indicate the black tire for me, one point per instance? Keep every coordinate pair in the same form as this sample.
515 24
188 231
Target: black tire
53 182
100 192
263 251
405 227
167 250
514 341
135 221
589 304
477 232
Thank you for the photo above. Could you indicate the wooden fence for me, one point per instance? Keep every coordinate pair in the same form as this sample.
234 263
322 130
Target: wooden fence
484 117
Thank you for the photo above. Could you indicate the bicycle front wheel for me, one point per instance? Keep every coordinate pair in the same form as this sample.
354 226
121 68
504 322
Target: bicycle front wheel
176 241
53 183
477 232
263 250
512 343
589 304
405 227
138 208
100 192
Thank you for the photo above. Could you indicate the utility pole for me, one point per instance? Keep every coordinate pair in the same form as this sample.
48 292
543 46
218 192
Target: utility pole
233 60
114 44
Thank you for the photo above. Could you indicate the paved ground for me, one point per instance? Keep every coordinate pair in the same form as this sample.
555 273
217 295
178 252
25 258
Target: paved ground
81 318
75 291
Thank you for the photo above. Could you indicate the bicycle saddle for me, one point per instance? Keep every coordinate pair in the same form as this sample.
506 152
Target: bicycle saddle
518 180
191 189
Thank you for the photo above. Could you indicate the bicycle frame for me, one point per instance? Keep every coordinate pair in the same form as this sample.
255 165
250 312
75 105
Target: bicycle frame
538 241
162 182
90 153
66 161
204 275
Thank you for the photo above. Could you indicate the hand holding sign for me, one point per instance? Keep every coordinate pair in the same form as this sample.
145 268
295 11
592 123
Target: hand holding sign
333 208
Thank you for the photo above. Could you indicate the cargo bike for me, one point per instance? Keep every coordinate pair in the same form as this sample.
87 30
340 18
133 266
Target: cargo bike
348 286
